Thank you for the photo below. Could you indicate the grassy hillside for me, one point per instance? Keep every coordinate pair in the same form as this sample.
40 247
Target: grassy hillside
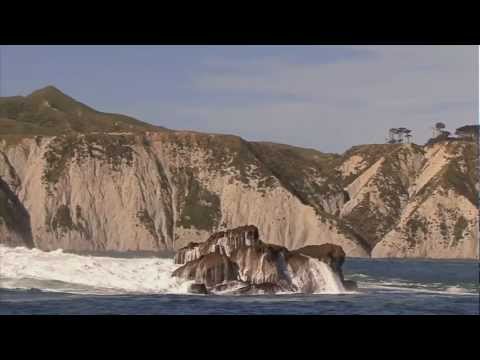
48 111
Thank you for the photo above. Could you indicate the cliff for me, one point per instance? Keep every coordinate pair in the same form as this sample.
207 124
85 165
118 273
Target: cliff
156 191
95 181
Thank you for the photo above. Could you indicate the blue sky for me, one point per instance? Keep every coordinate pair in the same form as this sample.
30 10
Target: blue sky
325 97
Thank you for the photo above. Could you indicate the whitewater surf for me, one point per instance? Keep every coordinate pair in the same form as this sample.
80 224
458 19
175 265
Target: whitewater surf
63 272
58 271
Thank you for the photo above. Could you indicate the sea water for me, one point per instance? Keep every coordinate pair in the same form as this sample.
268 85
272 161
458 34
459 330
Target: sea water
37 282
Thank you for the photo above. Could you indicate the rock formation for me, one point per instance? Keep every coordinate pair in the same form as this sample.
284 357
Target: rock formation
237 261
223 242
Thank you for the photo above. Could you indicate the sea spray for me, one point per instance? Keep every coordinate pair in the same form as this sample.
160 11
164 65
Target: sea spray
65 272
317 278
59 271
331 280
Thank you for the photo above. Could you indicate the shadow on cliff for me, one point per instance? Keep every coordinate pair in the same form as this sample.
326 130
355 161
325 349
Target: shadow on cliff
19 215
359 238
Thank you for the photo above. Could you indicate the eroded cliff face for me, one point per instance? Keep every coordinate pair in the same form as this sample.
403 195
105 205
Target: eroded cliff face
379 194
155 191
440 219
78 179
162 190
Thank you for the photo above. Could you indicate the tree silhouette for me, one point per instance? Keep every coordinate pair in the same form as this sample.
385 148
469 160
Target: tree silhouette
408 135
468 131
391 136
398 135
437 129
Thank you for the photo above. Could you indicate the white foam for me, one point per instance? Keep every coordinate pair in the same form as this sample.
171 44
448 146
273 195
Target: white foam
404 287
318 278
58 271
457 290
360 275
331 281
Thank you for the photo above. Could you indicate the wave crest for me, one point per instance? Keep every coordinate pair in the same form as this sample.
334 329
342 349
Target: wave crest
63 272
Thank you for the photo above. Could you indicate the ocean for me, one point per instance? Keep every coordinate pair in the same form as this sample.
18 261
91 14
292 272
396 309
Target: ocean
36 282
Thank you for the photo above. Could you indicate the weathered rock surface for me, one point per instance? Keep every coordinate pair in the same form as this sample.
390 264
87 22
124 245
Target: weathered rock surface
225 242
198 289
440 219
210 269
238 262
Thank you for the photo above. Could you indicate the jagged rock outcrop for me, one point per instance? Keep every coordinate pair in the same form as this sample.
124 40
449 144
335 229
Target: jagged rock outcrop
79 179
198 289
262 263
254 266
225 242
209 269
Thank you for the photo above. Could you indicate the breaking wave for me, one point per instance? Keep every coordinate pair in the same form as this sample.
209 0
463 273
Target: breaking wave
23 268
323 279
57 271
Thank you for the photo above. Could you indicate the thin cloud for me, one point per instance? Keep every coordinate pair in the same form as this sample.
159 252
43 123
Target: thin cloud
351 101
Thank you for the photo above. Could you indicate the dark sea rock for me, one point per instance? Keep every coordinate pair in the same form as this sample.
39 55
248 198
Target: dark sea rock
296 261
210 269
256 289
231 287
238 262
198 289
244 288
350 285
261 263
181 257
223 241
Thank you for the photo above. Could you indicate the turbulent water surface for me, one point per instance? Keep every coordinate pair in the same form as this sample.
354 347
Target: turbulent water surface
36 282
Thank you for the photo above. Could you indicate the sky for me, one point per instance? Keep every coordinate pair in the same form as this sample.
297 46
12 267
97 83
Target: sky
324 97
